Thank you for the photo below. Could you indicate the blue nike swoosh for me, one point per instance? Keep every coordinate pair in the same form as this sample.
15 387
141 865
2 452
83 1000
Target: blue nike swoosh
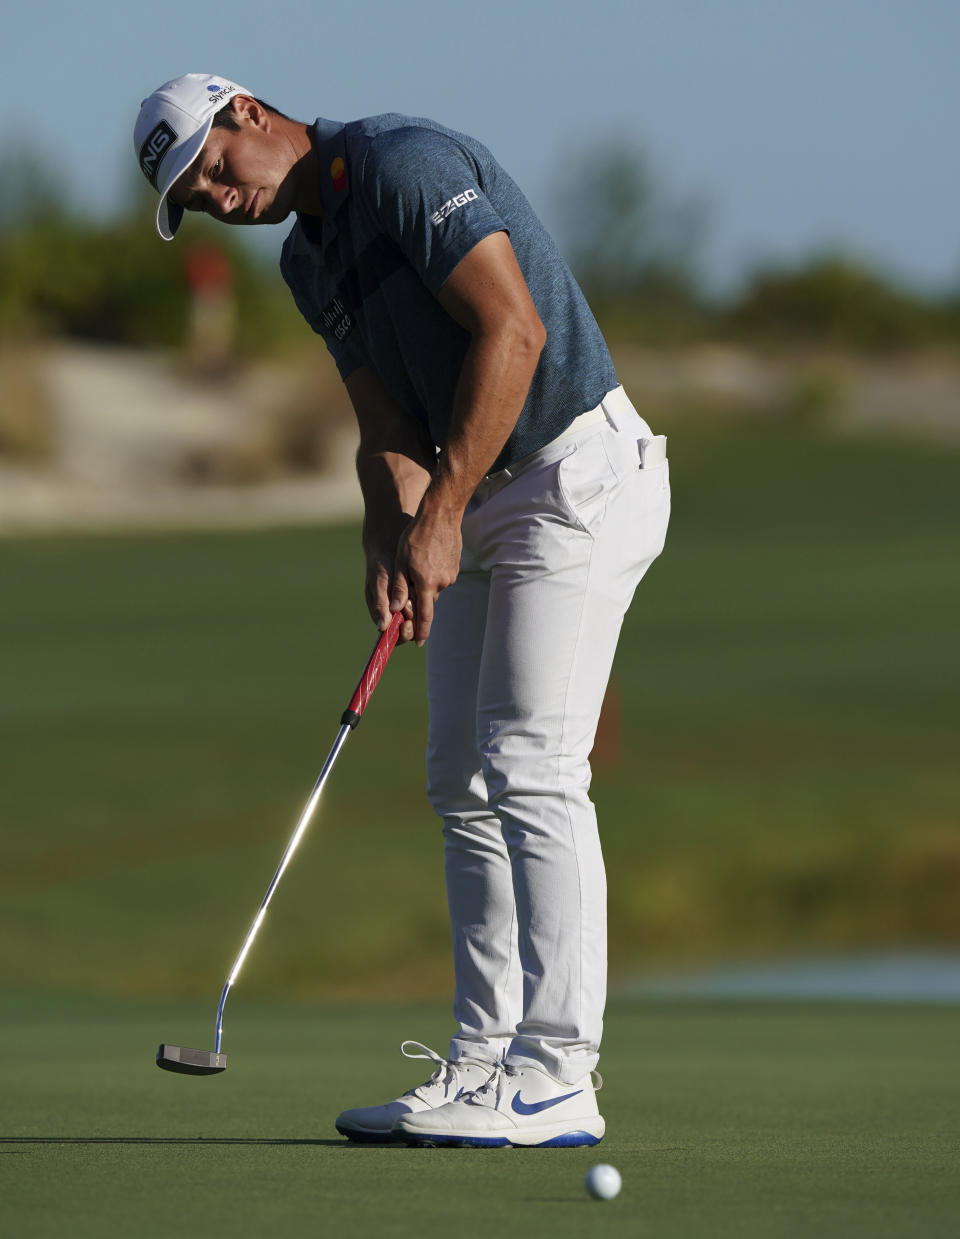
519 1106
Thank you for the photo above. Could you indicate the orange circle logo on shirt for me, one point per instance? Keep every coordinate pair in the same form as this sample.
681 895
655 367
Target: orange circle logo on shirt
338 170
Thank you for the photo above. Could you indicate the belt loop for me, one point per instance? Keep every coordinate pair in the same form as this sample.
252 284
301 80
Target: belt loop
609 403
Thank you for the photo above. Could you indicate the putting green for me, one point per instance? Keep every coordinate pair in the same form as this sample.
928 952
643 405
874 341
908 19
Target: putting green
725 1120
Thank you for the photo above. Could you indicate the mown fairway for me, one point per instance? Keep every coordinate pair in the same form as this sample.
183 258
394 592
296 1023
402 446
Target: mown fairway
787 777
767 1121
787 781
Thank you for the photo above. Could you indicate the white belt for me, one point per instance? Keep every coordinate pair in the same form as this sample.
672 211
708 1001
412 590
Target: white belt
613 408
653 451
590 418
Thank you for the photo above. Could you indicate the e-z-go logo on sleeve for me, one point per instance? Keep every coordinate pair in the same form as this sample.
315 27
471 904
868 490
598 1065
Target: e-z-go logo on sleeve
458 200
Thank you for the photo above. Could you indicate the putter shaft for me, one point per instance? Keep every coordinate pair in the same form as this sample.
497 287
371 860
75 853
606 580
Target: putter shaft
295 838
351 717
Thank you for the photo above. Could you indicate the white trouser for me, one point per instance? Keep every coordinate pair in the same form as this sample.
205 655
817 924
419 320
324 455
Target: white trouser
517 665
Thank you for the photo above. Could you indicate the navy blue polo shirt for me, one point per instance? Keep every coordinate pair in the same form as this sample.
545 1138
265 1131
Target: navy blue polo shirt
404 200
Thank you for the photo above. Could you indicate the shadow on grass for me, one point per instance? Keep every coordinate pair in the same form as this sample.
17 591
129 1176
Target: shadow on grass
171 1140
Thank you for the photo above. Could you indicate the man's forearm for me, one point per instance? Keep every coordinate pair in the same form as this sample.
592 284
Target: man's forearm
393 485
494 380
487 295
395 460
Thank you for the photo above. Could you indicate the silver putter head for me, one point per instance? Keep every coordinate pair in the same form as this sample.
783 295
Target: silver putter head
190 1062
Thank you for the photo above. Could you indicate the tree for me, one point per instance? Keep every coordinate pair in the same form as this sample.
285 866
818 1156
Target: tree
627 239
113 280
834 300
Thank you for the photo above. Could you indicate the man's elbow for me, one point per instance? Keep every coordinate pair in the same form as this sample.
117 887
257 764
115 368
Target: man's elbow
527 338
538 337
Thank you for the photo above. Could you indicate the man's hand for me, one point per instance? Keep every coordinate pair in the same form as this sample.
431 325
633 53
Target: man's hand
427 561
380 574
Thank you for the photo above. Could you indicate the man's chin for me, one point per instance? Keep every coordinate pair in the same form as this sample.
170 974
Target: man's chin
274 212
276 215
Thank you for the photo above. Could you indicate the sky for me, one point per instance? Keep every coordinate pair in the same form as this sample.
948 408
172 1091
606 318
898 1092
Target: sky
802 124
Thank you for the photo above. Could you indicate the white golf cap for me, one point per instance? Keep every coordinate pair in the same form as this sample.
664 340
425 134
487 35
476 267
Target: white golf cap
172 127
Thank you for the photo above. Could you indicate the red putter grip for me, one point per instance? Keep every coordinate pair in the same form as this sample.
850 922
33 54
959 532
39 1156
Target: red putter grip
372 672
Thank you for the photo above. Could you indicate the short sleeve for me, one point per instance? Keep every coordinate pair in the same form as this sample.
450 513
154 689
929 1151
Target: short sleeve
425 192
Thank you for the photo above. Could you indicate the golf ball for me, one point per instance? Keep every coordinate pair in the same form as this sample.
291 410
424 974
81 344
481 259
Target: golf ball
603 1182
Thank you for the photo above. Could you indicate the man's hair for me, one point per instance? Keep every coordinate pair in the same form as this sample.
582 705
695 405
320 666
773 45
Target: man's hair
224 119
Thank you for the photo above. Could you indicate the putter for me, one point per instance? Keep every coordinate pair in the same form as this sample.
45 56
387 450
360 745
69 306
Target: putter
209 1062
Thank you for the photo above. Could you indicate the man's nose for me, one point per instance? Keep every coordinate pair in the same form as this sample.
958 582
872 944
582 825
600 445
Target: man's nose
224 198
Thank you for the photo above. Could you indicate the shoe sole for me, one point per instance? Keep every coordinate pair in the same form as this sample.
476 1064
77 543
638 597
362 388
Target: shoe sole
543 1139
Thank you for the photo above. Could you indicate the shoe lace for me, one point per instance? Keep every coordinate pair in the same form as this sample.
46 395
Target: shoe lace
491 1090
445 1073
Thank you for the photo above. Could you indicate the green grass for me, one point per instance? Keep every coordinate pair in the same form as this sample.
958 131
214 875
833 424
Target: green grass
787 781
731 1120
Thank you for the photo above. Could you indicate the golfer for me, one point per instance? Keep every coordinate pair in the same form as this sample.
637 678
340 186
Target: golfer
513 500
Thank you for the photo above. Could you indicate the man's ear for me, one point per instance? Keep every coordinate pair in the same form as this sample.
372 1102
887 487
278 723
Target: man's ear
247 111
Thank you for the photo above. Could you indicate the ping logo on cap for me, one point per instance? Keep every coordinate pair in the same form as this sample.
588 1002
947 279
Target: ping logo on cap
159 140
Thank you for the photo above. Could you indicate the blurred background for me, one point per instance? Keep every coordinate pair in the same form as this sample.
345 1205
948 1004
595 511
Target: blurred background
760 199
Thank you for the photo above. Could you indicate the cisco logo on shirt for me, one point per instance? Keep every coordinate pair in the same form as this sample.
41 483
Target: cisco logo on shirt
335 319
452 204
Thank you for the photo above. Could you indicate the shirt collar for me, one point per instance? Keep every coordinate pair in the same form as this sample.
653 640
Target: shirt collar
330 143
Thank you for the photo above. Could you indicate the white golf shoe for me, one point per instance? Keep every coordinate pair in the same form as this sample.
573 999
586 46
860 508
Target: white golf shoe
520 1106
449 1081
